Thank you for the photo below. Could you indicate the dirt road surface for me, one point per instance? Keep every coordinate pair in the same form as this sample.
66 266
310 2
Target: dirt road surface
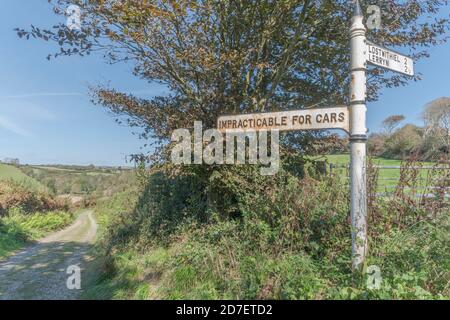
39 272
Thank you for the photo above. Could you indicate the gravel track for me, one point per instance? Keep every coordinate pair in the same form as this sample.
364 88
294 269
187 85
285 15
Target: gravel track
39 272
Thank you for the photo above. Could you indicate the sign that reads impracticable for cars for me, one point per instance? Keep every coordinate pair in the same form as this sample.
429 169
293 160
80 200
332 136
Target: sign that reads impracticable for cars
389 59
311 119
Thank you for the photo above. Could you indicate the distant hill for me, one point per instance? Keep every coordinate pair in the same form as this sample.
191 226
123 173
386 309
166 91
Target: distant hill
11 172
78 180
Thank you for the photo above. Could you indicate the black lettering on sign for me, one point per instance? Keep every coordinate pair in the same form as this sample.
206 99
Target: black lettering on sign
308 119
333 117
301 119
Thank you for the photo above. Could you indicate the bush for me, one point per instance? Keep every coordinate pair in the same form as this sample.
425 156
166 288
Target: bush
404 142
15 195
233 234
17 228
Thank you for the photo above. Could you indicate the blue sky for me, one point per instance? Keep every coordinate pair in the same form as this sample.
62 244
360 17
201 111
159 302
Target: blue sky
46 115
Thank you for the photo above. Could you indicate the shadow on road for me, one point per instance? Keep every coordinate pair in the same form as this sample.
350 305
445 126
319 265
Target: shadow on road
40 271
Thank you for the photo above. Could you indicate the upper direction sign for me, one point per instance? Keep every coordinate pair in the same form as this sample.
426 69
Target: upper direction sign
389 59
310 119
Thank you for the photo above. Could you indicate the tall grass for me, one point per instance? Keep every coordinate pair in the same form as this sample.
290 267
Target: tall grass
17 228
27 214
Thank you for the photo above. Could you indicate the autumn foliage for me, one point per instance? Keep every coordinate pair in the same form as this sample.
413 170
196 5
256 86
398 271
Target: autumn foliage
15 195
221 57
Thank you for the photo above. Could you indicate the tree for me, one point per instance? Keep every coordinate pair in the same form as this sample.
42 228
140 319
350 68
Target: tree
437 125
85 185
236 56
404 142
391 122
51 185
376 144
12 161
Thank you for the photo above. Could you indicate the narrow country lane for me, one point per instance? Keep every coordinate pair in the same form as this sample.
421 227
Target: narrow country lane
40 271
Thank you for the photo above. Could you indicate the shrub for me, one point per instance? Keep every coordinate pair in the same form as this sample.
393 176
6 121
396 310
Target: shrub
17 227
13 195
230 233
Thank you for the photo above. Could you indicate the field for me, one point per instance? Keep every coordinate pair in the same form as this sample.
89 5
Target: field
11 172
388 178
76 180
344 159
92 172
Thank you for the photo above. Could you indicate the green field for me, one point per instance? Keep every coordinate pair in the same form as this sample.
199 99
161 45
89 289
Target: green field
388 178
61 180
11 172
343 159
91 172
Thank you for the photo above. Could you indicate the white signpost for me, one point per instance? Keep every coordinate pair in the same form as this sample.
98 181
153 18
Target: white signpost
312 119
389 59
363 52
358 138
352 119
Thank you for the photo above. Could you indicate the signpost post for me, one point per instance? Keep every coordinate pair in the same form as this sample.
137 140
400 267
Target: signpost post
363 52
358 138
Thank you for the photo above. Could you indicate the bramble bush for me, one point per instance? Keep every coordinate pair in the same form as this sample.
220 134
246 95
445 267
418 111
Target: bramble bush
14 194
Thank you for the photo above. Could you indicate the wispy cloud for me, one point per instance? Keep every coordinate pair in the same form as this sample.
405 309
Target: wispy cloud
26 110
36 112
10 126
43 94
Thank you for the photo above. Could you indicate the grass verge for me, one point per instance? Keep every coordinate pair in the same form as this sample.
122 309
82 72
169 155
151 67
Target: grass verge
18 229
